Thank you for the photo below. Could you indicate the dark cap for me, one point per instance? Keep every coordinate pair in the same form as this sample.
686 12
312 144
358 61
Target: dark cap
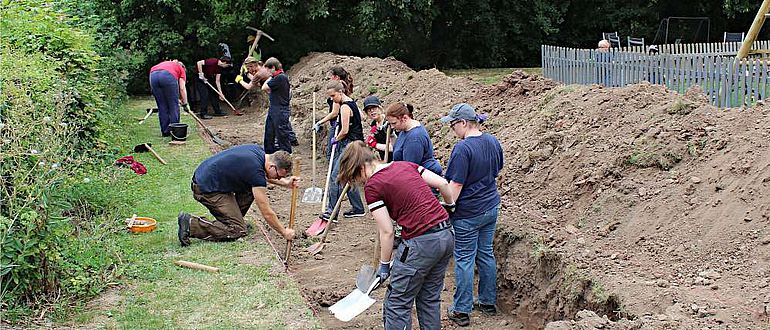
371 100
226 59
461 111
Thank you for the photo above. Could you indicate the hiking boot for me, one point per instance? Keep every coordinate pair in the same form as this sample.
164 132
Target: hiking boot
461 319
353 214
490 310
184 228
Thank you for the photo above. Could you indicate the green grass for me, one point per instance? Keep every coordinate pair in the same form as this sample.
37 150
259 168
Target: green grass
251 291
489 76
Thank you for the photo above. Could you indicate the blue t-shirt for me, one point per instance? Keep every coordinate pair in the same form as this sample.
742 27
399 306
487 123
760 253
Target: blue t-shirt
475 163
415 146
237 169
280 93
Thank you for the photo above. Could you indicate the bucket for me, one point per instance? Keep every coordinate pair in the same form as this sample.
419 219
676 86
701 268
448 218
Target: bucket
178 131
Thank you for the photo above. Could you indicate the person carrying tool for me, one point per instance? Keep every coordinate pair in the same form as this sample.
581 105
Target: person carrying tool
256 73
337 73
227 183
378 133
413 143
167 83
350 129
211 69
401 191
472 170
278 132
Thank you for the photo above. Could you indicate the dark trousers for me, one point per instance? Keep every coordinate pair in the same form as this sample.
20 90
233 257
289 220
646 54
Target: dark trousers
417 277
208 96
277 131
165 89
229 210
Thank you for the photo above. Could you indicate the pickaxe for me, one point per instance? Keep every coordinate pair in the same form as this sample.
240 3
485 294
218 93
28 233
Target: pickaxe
260 33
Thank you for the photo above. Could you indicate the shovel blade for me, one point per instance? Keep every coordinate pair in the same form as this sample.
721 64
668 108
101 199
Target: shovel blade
317 227
312 195
316 248
366 276
353 304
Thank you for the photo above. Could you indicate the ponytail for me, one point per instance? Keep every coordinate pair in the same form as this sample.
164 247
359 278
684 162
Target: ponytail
345 77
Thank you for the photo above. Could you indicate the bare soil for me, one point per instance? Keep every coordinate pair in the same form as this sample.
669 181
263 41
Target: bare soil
637 203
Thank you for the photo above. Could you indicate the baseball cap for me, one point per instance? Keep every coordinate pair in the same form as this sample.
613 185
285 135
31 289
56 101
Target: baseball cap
371 100
460 111
250 60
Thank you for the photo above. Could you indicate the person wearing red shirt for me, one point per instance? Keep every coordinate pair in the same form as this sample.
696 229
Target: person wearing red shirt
401 191
167 84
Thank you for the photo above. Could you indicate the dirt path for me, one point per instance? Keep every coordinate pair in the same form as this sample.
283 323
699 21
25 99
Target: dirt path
330 276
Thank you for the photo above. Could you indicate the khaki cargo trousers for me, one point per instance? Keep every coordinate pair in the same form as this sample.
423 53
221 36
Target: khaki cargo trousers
229 210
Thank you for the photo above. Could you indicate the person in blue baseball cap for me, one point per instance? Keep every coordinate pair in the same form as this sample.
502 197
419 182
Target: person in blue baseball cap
472 171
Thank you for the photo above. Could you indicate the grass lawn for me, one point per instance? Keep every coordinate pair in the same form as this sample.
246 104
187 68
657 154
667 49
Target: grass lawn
490 76
251 291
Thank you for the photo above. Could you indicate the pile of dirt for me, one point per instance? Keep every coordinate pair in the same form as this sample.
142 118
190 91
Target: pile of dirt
636 203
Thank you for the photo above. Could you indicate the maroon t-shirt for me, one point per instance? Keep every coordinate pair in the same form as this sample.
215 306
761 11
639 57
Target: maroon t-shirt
409 200
211 67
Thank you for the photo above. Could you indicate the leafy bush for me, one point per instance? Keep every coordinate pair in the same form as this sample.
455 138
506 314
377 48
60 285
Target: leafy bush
54 112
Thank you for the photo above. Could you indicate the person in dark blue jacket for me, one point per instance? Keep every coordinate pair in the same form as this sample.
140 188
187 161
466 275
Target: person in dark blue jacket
413 143
472 171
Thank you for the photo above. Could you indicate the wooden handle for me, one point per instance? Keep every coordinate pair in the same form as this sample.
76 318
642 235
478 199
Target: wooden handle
155 154
328 175
149 113
293 211
335 212
131 221
193 265
222 95
314 142
387 143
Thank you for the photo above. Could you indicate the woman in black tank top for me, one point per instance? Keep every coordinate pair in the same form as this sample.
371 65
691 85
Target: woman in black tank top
355 128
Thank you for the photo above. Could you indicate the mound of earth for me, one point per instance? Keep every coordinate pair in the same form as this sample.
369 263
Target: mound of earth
644 206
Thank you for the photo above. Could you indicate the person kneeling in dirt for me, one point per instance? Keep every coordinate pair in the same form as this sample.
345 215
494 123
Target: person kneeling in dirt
472 169
402 191
227 183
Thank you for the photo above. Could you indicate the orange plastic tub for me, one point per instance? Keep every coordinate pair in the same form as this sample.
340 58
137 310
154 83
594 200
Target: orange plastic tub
143 225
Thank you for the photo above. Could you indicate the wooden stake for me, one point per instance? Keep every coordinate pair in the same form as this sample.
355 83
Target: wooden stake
193 265
293 211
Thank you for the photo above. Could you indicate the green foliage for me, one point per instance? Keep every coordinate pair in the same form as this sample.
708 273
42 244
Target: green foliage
55 107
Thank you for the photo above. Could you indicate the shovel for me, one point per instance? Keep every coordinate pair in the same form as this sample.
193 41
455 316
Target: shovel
236 112
317 247
213 136
367 275
145 147
313 194
354 303
293 211
149 113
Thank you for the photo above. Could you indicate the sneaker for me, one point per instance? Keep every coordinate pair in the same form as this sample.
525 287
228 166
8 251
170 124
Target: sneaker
204 116
490 310
326 216
461 319
184 228
220 114
353 214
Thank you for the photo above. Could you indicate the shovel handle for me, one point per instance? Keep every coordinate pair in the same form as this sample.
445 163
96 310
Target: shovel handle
335 212
149 113
293 211
314 140
223 97
194 265
155 154
328 175
387 143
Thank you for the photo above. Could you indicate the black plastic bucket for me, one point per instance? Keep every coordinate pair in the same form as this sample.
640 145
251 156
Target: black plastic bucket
178 131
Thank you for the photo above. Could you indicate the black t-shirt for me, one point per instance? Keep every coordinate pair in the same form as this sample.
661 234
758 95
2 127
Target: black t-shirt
355 129
280 93
237 169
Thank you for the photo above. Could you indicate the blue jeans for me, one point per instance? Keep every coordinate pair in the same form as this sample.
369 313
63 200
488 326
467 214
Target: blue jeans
473 246
335 188
165 89
277 131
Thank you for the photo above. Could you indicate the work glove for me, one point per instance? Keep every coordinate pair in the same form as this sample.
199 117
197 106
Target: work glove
384 271
333 141
373 130
238 79
317 127
371 141
186 107
243 69
450 208
201 76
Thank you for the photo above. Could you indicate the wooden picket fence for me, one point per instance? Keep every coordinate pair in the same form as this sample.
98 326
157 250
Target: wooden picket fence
727 82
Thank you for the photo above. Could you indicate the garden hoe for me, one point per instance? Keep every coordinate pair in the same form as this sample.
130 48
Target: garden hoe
145 147
235 111
317 247
313 194
293 211
213 136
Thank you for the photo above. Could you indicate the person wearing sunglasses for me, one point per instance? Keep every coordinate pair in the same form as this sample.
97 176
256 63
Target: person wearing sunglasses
227 184
472 171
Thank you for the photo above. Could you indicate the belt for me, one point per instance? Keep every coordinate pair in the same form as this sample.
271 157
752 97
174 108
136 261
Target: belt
439 227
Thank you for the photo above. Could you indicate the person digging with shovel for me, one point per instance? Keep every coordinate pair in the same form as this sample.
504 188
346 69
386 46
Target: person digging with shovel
227 183
211 69
401 191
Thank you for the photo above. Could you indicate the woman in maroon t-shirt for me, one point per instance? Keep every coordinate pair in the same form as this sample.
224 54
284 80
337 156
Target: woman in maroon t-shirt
402 191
